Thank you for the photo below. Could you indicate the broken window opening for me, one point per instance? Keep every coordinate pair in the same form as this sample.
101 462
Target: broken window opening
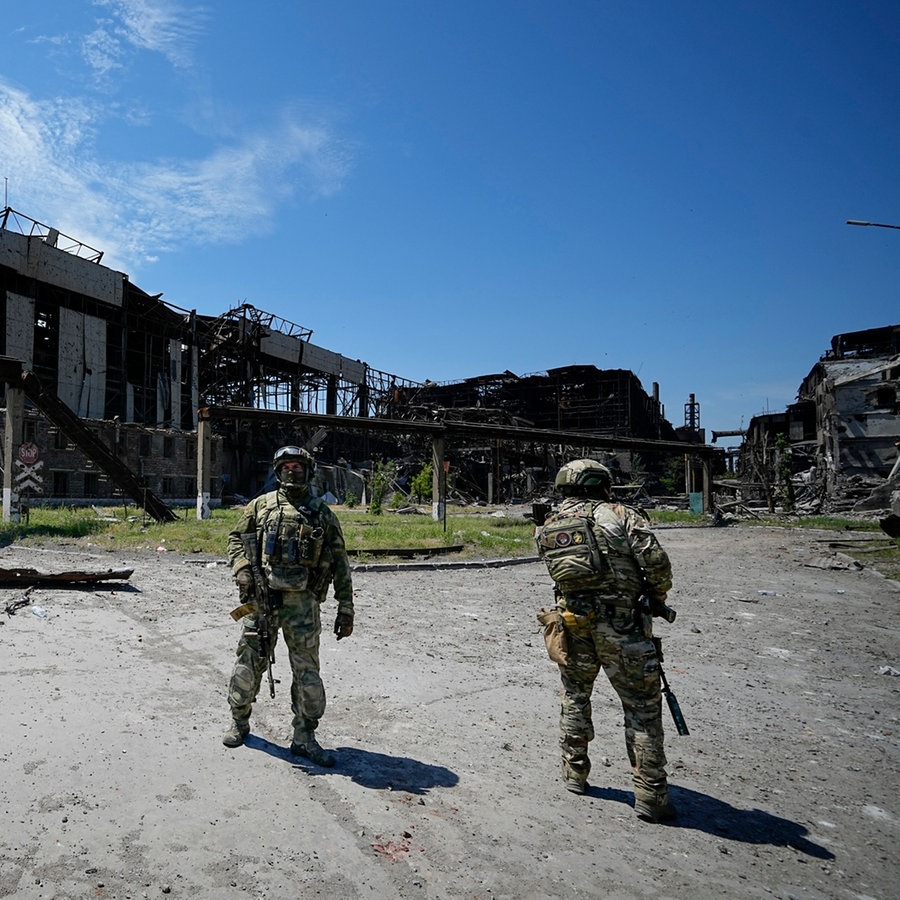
60 484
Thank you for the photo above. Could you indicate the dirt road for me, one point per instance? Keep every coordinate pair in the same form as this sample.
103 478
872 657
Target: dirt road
443 713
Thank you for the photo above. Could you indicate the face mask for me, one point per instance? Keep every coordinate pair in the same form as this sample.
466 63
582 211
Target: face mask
295 492
292 476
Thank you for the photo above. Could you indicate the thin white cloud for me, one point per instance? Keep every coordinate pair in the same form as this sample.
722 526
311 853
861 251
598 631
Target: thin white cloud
102 52
36 131
202 200
158 26
135 211
55 40
165 27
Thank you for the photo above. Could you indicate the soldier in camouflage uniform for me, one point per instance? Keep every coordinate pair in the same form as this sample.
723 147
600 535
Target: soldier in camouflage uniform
605 629
301 550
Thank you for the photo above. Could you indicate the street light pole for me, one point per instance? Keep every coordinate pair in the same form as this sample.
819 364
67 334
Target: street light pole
874 224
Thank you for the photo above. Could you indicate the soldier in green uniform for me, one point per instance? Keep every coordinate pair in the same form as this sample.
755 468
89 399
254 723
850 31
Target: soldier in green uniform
300 552
604 557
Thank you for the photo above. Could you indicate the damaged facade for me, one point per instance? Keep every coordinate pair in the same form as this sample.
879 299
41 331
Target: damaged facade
121 361
580 398
842 433
570 398
136 370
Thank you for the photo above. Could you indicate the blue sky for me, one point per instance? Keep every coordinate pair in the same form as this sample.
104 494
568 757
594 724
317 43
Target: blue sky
453 189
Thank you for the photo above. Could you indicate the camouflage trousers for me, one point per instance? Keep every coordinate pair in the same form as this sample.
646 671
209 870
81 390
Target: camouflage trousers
299 622
631 665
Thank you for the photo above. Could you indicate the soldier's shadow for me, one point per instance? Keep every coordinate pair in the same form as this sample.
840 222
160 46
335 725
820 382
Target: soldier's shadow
371 770
713 816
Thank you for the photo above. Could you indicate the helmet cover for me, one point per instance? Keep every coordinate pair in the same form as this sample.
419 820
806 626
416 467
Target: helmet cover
583 476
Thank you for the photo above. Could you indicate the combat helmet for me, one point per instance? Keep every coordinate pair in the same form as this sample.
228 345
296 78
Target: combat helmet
584 478
294 454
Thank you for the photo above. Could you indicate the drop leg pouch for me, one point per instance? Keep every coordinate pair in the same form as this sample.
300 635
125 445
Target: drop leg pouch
555 637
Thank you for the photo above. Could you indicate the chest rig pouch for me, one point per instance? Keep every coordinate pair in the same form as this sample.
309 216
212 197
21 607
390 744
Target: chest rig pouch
567 544
290 546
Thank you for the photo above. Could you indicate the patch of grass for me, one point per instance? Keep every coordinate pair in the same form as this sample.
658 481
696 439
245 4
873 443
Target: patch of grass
675 517
887 561
481 535
186 535
52 524
119 529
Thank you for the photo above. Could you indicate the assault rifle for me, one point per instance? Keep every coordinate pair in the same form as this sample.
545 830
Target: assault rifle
266 626
671 699
659 608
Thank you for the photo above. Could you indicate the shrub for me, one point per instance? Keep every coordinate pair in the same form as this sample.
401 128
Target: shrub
382 477
420 486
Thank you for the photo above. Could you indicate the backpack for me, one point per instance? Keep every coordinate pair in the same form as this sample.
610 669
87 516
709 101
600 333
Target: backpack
567 544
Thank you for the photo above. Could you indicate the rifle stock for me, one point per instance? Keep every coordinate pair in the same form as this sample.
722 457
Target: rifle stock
265 627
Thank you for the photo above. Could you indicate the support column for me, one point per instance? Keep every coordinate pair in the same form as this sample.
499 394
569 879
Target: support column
204 467
707 484
13 434
438 480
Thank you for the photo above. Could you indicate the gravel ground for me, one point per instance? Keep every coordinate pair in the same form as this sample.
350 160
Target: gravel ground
443 714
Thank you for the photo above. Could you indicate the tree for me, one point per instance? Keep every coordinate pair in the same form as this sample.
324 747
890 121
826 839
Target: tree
382 478
421 485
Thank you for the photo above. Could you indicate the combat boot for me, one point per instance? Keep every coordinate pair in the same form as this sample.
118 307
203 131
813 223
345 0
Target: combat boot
575 776
654 807
575 785
235 735
306 745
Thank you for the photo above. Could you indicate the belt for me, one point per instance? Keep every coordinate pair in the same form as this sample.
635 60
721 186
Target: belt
594 599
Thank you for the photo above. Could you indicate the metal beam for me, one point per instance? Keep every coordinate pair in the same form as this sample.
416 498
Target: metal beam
458 429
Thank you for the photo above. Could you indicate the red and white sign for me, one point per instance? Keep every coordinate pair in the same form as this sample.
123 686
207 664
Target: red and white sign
28 453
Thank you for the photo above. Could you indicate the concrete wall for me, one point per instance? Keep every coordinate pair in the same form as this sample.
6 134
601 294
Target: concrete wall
81 382
20 328
864 433
322 360
84 329
34 257
293 350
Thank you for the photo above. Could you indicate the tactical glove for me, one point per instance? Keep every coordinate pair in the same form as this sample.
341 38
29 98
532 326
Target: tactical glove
343 625
244 579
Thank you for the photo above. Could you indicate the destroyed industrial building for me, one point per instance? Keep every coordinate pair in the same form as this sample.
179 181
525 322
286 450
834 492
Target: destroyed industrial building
123 395
841 438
